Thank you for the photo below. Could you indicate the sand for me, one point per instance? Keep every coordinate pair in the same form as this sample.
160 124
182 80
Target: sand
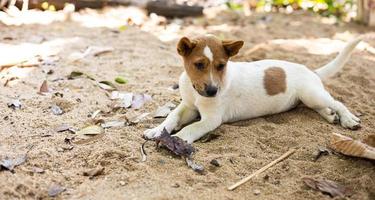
151 66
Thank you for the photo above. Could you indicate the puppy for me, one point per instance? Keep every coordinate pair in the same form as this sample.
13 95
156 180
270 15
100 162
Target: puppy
222 91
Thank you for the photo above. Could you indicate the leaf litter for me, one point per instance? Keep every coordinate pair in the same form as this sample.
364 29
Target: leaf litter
129 100
10 164
44 89
107 85
164 110
55 189
331 188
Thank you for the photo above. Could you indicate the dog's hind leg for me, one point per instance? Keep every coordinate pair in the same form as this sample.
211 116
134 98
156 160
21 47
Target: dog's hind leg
317 98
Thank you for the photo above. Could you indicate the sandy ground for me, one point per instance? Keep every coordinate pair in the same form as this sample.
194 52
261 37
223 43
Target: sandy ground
152 66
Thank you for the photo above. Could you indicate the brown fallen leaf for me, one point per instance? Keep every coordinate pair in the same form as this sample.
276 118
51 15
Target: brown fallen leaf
350 147
55 190
328 187
44 88
94 172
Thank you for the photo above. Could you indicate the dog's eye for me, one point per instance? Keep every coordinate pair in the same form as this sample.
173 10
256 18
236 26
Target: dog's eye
220 66
199 66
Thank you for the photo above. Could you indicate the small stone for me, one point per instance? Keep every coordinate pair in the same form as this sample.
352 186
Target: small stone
257 192
215 163
122 183
176 185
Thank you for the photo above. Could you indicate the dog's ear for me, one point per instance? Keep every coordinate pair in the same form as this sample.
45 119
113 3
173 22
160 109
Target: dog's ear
232 47
185 46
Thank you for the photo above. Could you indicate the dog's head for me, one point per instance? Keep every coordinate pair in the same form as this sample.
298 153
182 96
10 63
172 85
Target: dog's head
205 61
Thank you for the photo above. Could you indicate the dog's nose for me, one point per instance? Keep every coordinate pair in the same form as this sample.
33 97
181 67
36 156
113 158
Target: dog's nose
211 90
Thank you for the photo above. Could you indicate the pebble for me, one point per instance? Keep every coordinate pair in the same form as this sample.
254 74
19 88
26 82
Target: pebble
257 192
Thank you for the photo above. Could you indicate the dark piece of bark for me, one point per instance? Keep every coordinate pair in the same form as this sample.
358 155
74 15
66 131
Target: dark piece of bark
175 144
173 10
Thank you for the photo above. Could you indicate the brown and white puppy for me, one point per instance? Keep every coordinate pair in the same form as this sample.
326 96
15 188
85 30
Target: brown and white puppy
223 91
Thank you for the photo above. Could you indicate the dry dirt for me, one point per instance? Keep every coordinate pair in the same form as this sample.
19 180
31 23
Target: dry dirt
152 66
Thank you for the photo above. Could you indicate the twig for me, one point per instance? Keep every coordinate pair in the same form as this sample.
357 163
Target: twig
143 152
285 155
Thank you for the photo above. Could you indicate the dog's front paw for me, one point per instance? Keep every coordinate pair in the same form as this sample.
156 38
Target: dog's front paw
350 121
152 133
185 137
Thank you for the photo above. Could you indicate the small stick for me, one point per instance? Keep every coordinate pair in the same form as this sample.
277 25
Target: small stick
285 155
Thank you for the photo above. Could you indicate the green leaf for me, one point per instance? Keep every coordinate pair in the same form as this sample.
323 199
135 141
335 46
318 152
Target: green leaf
121 80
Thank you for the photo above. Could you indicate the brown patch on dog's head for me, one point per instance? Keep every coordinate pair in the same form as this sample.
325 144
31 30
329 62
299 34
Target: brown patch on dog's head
274 80
205 60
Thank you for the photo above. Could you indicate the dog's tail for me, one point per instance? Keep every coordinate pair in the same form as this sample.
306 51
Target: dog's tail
336 64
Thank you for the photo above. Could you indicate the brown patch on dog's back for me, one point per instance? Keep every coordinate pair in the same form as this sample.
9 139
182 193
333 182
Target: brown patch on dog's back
274 80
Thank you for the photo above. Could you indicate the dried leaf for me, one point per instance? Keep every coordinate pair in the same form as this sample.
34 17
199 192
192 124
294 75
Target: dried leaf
175 144
136 119
328 187
90 51
163 111
94 172
107 85
87 140
126 99
76 74
56 110
15 104
121 80
97 51
65 127
139 100
94 114
55 190
10 164
38 170
44 88
350 147
111 124
91 130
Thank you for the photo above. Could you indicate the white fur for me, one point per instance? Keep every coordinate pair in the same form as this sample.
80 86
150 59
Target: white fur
208 53
244 96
